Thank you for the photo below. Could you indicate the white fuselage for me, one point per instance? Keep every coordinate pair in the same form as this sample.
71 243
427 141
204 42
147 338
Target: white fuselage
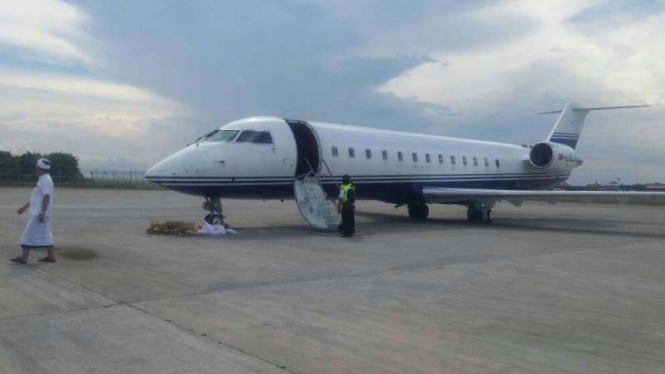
385 165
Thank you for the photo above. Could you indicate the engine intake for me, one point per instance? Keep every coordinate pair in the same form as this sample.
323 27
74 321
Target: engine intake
555 157
542 155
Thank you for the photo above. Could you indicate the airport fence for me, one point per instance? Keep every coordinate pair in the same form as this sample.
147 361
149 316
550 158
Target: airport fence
73 177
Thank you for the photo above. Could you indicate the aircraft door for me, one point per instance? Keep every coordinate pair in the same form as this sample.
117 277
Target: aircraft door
307 146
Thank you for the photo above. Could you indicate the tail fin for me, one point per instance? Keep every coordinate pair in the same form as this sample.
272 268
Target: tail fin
568 127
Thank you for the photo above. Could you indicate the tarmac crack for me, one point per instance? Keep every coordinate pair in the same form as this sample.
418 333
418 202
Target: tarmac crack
210 338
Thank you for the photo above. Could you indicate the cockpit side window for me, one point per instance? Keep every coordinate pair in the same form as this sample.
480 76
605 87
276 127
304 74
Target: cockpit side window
257 137
221 136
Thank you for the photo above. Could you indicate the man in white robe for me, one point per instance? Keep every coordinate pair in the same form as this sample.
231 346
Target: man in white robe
37 234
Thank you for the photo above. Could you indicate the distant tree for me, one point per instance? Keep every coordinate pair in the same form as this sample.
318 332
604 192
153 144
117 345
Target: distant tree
26 165
7 166
64 167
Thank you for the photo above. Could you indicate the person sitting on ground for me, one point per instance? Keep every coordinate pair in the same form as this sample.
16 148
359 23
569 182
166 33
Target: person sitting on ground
214 224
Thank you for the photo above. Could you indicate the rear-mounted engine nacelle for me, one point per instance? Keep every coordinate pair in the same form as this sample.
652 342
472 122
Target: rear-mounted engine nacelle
553 156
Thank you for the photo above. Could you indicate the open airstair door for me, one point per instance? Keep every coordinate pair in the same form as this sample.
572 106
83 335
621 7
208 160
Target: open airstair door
312 201
314 205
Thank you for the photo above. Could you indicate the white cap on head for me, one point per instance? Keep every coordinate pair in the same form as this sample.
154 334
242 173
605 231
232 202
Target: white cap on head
44 164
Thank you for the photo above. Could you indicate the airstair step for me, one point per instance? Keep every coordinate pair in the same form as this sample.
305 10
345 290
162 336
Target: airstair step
314 205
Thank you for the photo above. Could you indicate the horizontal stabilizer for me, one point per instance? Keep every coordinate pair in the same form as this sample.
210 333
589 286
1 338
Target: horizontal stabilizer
598 108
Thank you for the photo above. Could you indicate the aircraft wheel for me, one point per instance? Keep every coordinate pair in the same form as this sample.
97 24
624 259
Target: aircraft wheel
486 216
483 216
418 210
472 216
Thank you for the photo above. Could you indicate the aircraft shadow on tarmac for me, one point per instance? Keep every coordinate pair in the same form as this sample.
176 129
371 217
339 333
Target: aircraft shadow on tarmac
380 223
389 222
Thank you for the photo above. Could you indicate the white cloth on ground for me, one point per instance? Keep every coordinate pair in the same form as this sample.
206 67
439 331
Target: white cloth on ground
37 234
44 187
209 229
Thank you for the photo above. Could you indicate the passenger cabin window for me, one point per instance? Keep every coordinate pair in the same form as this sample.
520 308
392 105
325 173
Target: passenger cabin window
368 154
440 159
384 155
452 160
400 157
415 156
221 136
464 160
352 153
487 162
475 161
496 162
428 158
256 137
335 153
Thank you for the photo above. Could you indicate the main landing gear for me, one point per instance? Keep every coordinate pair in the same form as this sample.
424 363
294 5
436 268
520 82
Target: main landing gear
478 212
215 212
418 210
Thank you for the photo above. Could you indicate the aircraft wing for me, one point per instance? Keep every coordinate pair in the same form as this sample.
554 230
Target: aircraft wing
454 195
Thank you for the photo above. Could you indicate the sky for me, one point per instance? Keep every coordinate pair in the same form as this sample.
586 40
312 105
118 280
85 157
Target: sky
122 83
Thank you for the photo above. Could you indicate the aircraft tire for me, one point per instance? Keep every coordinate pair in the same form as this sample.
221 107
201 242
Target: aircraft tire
418 210
472 216
479 216
486 216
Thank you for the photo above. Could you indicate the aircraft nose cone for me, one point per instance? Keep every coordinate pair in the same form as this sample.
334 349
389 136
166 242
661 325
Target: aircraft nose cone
174 165
152 172
161 169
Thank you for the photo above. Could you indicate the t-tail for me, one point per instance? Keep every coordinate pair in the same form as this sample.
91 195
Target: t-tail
568 127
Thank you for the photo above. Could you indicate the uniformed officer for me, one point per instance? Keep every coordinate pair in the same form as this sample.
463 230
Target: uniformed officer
347 207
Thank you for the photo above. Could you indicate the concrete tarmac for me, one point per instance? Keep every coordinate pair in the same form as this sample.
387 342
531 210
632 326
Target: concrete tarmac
570 288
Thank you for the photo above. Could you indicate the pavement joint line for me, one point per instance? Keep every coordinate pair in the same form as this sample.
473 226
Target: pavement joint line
67 280
397 270
209 338
63 311
111 301
393 270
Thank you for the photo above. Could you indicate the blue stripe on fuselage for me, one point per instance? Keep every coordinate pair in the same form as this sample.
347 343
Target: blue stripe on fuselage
396 191
572 143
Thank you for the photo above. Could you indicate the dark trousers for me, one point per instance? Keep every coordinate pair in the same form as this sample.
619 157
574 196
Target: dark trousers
348 226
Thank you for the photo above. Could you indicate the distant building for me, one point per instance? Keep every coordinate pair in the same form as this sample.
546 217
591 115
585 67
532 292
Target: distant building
655 186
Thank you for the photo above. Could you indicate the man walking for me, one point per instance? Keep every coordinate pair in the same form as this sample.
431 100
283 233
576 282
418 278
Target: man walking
37 234
346 204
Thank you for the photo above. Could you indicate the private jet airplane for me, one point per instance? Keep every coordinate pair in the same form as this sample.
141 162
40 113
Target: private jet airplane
265 157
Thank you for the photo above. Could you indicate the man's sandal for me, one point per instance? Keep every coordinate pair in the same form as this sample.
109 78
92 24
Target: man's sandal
46 259
18 260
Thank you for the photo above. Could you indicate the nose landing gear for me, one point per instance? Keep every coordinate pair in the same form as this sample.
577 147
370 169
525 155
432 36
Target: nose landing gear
215 211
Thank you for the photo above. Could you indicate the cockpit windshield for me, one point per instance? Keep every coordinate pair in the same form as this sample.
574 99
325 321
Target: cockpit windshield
258 137
221 136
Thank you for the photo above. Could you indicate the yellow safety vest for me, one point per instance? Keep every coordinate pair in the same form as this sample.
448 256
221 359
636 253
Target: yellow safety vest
346 188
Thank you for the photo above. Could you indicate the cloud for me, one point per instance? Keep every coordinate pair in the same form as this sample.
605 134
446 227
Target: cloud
54 85
44 30
141 78
576 54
